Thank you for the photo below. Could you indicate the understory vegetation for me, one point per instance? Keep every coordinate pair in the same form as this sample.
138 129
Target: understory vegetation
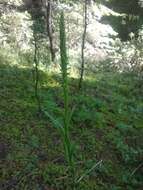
106 124
71 95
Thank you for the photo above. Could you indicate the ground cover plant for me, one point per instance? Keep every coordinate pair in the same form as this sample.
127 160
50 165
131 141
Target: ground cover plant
71 97
109 128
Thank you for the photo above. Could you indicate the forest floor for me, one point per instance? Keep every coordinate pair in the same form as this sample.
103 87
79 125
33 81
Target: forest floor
107 124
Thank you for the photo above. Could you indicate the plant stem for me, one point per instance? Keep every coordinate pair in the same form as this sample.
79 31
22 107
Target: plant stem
64 70
36 62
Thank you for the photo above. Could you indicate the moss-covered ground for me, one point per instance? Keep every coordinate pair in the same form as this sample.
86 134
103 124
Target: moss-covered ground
107 125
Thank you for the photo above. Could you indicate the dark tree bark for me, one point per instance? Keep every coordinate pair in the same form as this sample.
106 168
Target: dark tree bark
36 62
49 27
35 8
83 45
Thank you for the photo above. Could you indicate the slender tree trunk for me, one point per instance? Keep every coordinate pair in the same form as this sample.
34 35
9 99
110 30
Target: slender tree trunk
36 62
49 27
83 45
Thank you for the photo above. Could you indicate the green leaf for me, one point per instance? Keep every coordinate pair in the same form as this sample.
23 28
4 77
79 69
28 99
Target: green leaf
56 123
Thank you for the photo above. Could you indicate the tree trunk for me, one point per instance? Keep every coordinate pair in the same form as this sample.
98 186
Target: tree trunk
83 45
49 27
36 62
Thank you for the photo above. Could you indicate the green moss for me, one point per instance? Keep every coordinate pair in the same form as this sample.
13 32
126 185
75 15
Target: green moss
107 124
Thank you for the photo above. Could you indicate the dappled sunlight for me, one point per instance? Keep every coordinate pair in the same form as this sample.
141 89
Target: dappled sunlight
71 95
